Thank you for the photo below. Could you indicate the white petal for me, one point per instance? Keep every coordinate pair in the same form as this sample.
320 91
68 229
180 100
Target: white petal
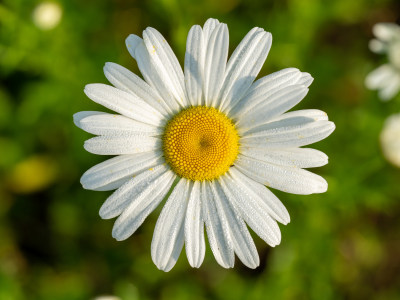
377 46
288 133
166 63
243 66
124 103
83 114
271 203
316 114
287 179
391 89
209 27
114 172
141 205
194 228
176 251
122 144
132 41
263 88
378 78
239 235
273 106
169 225
216 231
306 79
215 62
158 80
125 80
290 117
194 64
121 198
252 209
291 157
109 124
386 31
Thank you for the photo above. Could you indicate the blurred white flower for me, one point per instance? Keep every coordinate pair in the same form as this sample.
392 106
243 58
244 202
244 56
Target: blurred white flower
107 297
386 78
47 15
390 139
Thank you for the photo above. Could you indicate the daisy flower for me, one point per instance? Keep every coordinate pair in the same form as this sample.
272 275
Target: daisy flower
210 136
386 78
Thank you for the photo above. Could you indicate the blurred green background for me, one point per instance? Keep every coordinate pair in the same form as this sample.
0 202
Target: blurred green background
343 244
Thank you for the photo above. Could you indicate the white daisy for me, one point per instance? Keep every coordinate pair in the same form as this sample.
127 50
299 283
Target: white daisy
390 139
386 78
220 137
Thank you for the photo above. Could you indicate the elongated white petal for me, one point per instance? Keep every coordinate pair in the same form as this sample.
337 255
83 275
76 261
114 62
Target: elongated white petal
124 103
169 225
141 205
316 114
208 28
122 144
215 62
276 104
110 124
194 228
166 63
306 79
379 77
244 66
288 119
287 179
291 157
271 203
132 41
282 134
263 88
156 79
279 124
216 231
194 65
83 114
252 209
120 199
391 88
176 251
125 80
114 172
239 235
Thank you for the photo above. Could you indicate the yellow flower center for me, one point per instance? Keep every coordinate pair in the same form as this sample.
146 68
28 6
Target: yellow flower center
200 143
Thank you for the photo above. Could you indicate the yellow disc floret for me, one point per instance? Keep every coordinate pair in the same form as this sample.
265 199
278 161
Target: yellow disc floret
200 143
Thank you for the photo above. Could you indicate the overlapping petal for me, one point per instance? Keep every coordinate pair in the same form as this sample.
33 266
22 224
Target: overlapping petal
243 67
236 229
194 65
287 179
168 238
217 231
114 172
124 103
194 228
125 80
101 123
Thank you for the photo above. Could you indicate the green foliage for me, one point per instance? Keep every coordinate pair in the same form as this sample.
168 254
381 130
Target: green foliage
343 244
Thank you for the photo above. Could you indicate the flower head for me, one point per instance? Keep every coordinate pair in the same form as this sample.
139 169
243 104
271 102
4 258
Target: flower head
222 138
386 78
